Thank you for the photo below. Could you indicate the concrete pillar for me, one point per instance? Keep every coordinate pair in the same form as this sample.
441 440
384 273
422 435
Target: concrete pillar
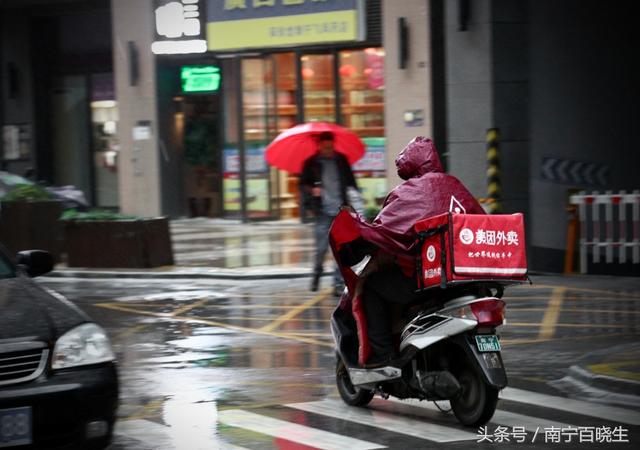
410 88
510 62
487 84
470 91
138 161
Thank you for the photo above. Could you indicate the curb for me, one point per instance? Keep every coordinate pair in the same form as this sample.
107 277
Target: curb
619 385
579 382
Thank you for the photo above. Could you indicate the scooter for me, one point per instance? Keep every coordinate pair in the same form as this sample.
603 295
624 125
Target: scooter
448 346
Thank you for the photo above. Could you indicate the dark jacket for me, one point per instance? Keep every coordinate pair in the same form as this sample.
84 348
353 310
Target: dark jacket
312 177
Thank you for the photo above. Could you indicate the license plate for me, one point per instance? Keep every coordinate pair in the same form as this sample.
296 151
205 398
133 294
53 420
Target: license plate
488 343
15 426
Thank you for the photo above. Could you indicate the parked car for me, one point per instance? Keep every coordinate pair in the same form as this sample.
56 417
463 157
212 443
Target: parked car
70 196
58 377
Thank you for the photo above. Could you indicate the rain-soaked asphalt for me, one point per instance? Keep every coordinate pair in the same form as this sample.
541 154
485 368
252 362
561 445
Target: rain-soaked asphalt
249 364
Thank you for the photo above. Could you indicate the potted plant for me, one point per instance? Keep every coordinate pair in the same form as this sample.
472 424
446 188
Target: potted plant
29 219
106 239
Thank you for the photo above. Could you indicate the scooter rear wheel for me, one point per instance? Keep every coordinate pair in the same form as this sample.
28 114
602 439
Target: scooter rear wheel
350 394
477 401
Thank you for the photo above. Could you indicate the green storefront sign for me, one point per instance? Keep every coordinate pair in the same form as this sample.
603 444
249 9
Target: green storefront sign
200 78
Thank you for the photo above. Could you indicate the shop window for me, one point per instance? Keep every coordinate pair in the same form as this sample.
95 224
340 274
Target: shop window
361 75
318 86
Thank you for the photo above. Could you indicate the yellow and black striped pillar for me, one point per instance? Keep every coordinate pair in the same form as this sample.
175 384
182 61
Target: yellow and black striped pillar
494 188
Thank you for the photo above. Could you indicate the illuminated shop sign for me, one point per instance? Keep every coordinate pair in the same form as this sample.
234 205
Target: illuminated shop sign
200 78
246 24
179 27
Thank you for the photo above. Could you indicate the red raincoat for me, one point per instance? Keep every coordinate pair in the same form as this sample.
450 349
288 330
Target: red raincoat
427 192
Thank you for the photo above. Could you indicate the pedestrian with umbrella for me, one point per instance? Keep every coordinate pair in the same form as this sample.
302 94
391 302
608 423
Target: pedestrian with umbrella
323 153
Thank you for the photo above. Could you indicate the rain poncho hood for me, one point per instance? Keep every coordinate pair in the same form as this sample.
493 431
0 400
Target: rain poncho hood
426 192
418 158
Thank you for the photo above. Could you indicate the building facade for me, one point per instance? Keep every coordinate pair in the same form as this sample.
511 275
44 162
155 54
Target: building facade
142 132
315 61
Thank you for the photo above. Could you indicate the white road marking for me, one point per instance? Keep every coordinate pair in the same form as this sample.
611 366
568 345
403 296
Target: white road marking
292 432
530 423
611 413
385 421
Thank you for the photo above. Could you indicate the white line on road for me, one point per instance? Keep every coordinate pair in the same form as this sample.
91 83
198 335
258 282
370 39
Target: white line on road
501 417
292 432
580 407
385 421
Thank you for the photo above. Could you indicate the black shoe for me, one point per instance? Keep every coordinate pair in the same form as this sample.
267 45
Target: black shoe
314 282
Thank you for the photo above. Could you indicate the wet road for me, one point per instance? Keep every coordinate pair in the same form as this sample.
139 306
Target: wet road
228 364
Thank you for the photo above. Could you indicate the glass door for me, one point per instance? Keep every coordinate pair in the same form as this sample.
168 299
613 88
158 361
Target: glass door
318 97
319 87
361 74
285 194
257 110
268 108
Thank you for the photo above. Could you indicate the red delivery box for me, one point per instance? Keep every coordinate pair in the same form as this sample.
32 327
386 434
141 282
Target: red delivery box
465 247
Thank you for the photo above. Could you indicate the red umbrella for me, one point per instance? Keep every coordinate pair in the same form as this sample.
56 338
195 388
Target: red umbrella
292 147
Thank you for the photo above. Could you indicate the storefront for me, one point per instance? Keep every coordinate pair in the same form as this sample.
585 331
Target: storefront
310 61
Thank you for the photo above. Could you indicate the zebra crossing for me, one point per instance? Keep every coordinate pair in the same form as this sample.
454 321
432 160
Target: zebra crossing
329 424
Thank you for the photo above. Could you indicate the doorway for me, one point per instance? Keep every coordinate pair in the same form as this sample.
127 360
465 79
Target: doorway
198 117
281 90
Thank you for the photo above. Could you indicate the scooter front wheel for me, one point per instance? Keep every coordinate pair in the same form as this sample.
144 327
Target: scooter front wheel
350 394
477 401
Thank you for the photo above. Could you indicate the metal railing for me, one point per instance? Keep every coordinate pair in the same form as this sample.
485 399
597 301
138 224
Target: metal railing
609 225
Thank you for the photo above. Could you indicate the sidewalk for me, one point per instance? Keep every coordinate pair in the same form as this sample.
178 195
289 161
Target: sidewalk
226 249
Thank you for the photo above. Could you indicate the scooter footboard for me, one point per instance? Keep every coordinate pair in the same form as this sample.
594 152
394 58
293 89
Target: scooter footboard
489 364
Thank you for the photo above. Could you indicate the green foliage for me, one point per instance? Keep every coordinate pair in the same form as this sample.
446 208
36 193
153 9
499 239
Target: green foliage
26 193
370 213
199 140
95 215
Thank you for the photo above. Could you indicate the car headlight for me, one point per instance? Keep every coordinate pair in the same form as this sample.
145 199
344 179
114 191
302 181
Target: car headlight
83 345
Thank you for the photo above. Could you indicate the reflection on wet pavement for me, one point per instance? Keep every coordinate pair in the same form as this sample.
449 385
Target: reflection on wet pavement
253 245
176 365
212 363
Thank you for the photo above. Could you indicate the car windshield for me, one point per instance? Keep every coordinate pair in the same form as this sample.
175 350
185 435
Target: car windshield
6 268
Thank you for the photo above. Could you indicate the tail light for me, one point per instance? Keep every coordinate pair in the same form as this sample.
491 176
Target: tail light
488 312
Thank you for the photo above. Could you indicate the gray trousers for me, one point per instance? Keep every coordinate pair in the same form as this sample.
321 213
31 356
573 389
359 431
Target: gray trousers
322 224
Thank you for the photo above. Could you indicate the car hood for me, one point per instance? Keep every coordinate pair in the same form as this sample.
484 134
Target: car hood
29 312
